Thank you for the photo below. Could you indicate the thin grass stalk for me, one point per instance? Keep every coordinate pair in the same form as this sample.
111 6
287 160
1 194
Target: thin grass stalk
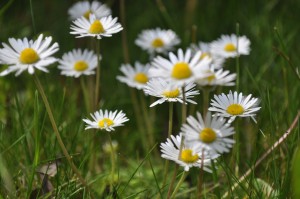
183 119
183 176
98 71
56 132
237 62
32 17
85 94
124 31
265 155
113 162
172 181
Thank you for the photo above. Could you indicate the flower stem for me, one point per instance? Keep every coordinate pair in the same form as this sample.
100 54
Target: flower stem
172 181
112 156
237 58
200 177
58 137
205 101
179 184
97 87
85 93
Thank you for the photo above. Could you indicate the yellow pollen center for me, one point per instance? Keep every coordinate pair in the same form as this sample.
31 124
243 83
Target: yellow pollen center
87 14
230 47
207 135
187 157
172 93
80 66
156 43
211 78
235 109
203 55
141 78
96 27
181 70
28 56
106 122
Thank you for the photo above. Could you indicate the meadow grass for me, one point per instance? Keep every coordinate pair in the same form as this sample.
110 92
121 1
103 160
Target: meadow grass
28 142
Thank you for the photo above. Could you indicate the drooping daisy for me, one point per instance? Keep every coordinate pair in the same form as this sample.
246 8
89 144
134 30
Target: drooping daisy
204 47
234 105
136 77
219 77
21 55
157 40
85 8
190 157
105 120
93 27
231 46
168 91
182 68
211 135
78 62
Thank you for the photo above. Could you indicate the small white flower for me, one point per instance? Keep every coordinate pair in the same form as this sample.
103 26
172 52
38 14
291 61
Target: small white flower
77 62
217 78
211 135
85 8
234 105
93 27
168 91
190 157
231 46
157 40
136 76
28 55
105 120
182 68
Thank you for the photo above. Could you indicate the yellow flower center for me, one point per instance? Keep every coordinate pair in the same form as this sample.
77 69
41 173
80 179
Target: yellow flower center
230 47
211 78
80 66
29 56
203 55
96 27
141 78
188 157
207 135
172 93
87 14
235 109
106 122
181 70
156 43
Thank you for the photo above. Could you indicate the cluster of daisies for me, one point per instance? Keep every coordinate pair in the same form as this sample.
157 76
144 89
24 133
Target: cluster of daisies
170 76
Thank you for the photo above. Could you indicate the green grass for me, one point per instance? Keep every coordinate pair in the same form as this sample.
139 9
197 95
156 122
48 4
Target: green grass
27 140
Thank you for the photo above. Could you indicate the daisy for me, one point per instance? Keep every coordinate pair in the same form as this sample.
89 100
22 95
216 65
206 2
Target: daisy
157 40
105 120
212 135
85 8
190 157
217 78
204 47
78 62
168 91
231 46
21 55
93 27
182 68
235 105
136 76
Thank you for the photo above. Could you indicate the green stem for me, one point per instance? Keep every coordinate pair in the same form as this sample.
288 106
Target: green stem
183 120
170 128
32 17
85 94
124 32
97 87
237 59
205 101
200 177
172 181
237 147
56 132
112 156
184 174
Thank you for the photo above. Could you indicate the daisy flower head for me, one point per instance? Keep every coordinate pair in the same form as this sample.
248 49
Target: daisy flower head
204 47
234 105
77 62
136 77
106 120
24 54
231 46
168 91
217 78
189 157
93 27
182 69
211 135
157 40
85 8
